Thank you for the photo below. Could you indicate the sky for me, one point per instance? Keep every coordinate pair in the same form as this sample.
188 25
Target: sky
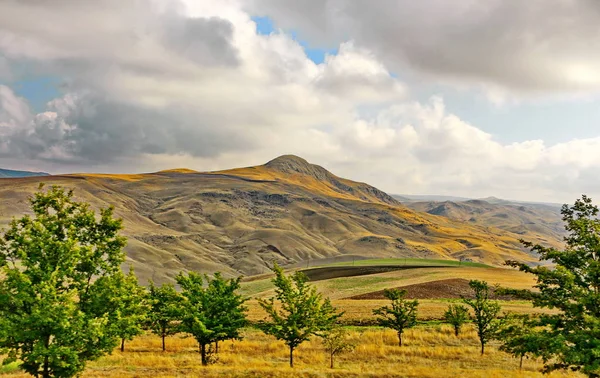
466 98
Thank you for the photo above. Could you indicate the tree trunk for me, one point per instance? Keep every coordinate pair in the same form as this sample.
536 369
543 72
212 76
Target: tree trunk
122 345
291 356
46 372
521 362
331 360
163 342
203 354
399 338
456 330
482 347
217 346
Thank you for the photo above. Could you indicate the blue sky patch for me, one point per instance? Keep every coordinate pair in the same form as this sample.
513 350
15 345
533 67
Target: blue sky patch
265 26
37 90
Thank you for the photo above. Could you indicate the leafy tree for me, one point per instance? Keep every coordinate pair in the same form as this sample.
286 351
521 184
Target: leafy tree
297 312
130 311
485 312
165 310
336 342
402 314
54 311
569 338
514 335
456 316
212 313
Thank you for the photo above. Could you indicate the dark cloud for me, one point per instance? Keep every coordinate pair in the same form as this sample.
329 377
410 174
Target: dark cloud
524 46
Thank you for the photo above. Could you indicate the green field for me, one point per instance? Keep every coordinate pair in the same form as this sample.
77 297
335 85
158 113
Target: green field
408 262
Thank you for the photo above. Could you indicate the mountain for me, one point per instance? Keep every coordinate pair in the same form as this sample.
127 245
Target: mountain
242 220
533 221
9 173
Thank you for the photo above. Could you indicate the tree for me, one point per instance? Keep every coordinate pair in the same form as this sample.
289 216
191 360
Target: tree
297 311
165 310
212 313
485 312
402 314
514 335
456 316
569 338
54 312
130 311
336 342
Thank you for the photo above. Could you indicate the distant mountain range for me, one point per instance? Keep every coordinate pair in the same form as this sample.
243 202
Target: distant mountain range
9 173
286 211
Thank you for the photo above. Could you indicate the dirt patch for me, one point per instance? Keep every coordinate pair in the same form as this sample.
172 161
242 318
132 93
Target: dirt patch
327 273
453 288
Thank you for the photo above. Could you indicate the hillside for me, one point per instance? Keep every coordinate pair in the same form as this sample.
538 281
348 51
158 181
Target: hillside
541 222
9 173
242 220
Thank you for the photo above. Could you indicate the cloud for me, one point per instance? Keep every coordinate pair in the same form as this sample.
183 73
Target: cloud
150 85
523 47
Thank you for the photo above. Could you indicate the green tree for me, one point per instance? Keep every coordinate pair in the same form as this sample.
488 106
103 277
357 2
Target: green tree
569 338
52 265
131 309
402 314
165 311
456 316
212 313
297 311
514 335
485 311
336 342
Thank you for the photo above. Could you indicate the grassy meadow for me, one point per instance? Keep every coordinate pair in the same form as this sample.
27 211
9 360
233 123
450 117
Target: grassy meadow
430 350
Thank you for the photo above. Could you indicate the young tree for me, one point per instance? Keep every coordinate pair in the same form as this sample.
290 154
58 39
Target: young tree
456 316
299 313
131 310
516 340
52 265
402 314
336 342
485 312
165 310
569 338
212 313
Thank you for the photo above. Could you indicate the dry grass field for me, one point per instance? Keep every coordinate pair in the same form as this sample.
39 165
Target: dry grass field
429 351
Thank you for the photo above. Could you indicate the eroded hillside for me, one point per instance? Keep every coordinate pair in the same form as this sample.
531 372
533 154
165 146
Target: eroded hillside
243 220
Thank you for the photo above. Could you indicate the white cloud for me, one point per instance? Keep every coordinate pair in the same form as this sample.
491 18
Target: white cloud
156 85
505 47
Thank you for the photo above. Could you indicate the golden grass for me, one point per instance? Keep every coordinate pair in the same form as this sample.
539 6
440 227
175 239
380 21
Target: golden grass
428 351
344 287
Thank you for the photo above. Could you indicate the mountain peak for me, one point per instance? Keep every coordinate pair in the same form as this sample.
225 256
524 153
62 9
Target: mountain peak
292 164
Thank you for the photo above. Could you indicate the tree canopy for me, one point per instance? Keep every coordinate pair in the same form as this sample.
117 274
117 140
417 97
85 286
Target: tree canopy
297 311
569 338
54 312
213 312
401 315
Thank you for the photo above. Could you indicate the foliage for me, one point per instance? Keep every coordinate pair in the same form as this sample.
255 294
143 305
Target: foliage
129 311
336 342
514 335
299 313
569 338
165 311
456 316
402 314
485 311
212 313
54 312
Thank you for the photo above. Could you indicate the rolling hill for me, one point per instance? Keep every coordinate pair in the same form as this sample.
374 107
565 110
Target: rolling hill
9 173
286 211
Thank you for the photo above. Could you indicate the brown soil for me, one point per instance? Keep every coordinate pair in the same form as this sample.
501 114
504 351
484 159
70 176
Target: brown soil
327 273
443 289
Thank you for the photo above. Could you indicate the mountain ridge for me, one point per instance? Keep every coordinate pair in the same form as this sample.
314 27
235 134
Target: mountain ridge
10 173
242 220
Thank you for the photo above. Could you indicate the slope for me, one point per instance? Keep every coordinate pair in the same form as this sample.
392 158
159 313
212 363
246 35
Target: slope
244 220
